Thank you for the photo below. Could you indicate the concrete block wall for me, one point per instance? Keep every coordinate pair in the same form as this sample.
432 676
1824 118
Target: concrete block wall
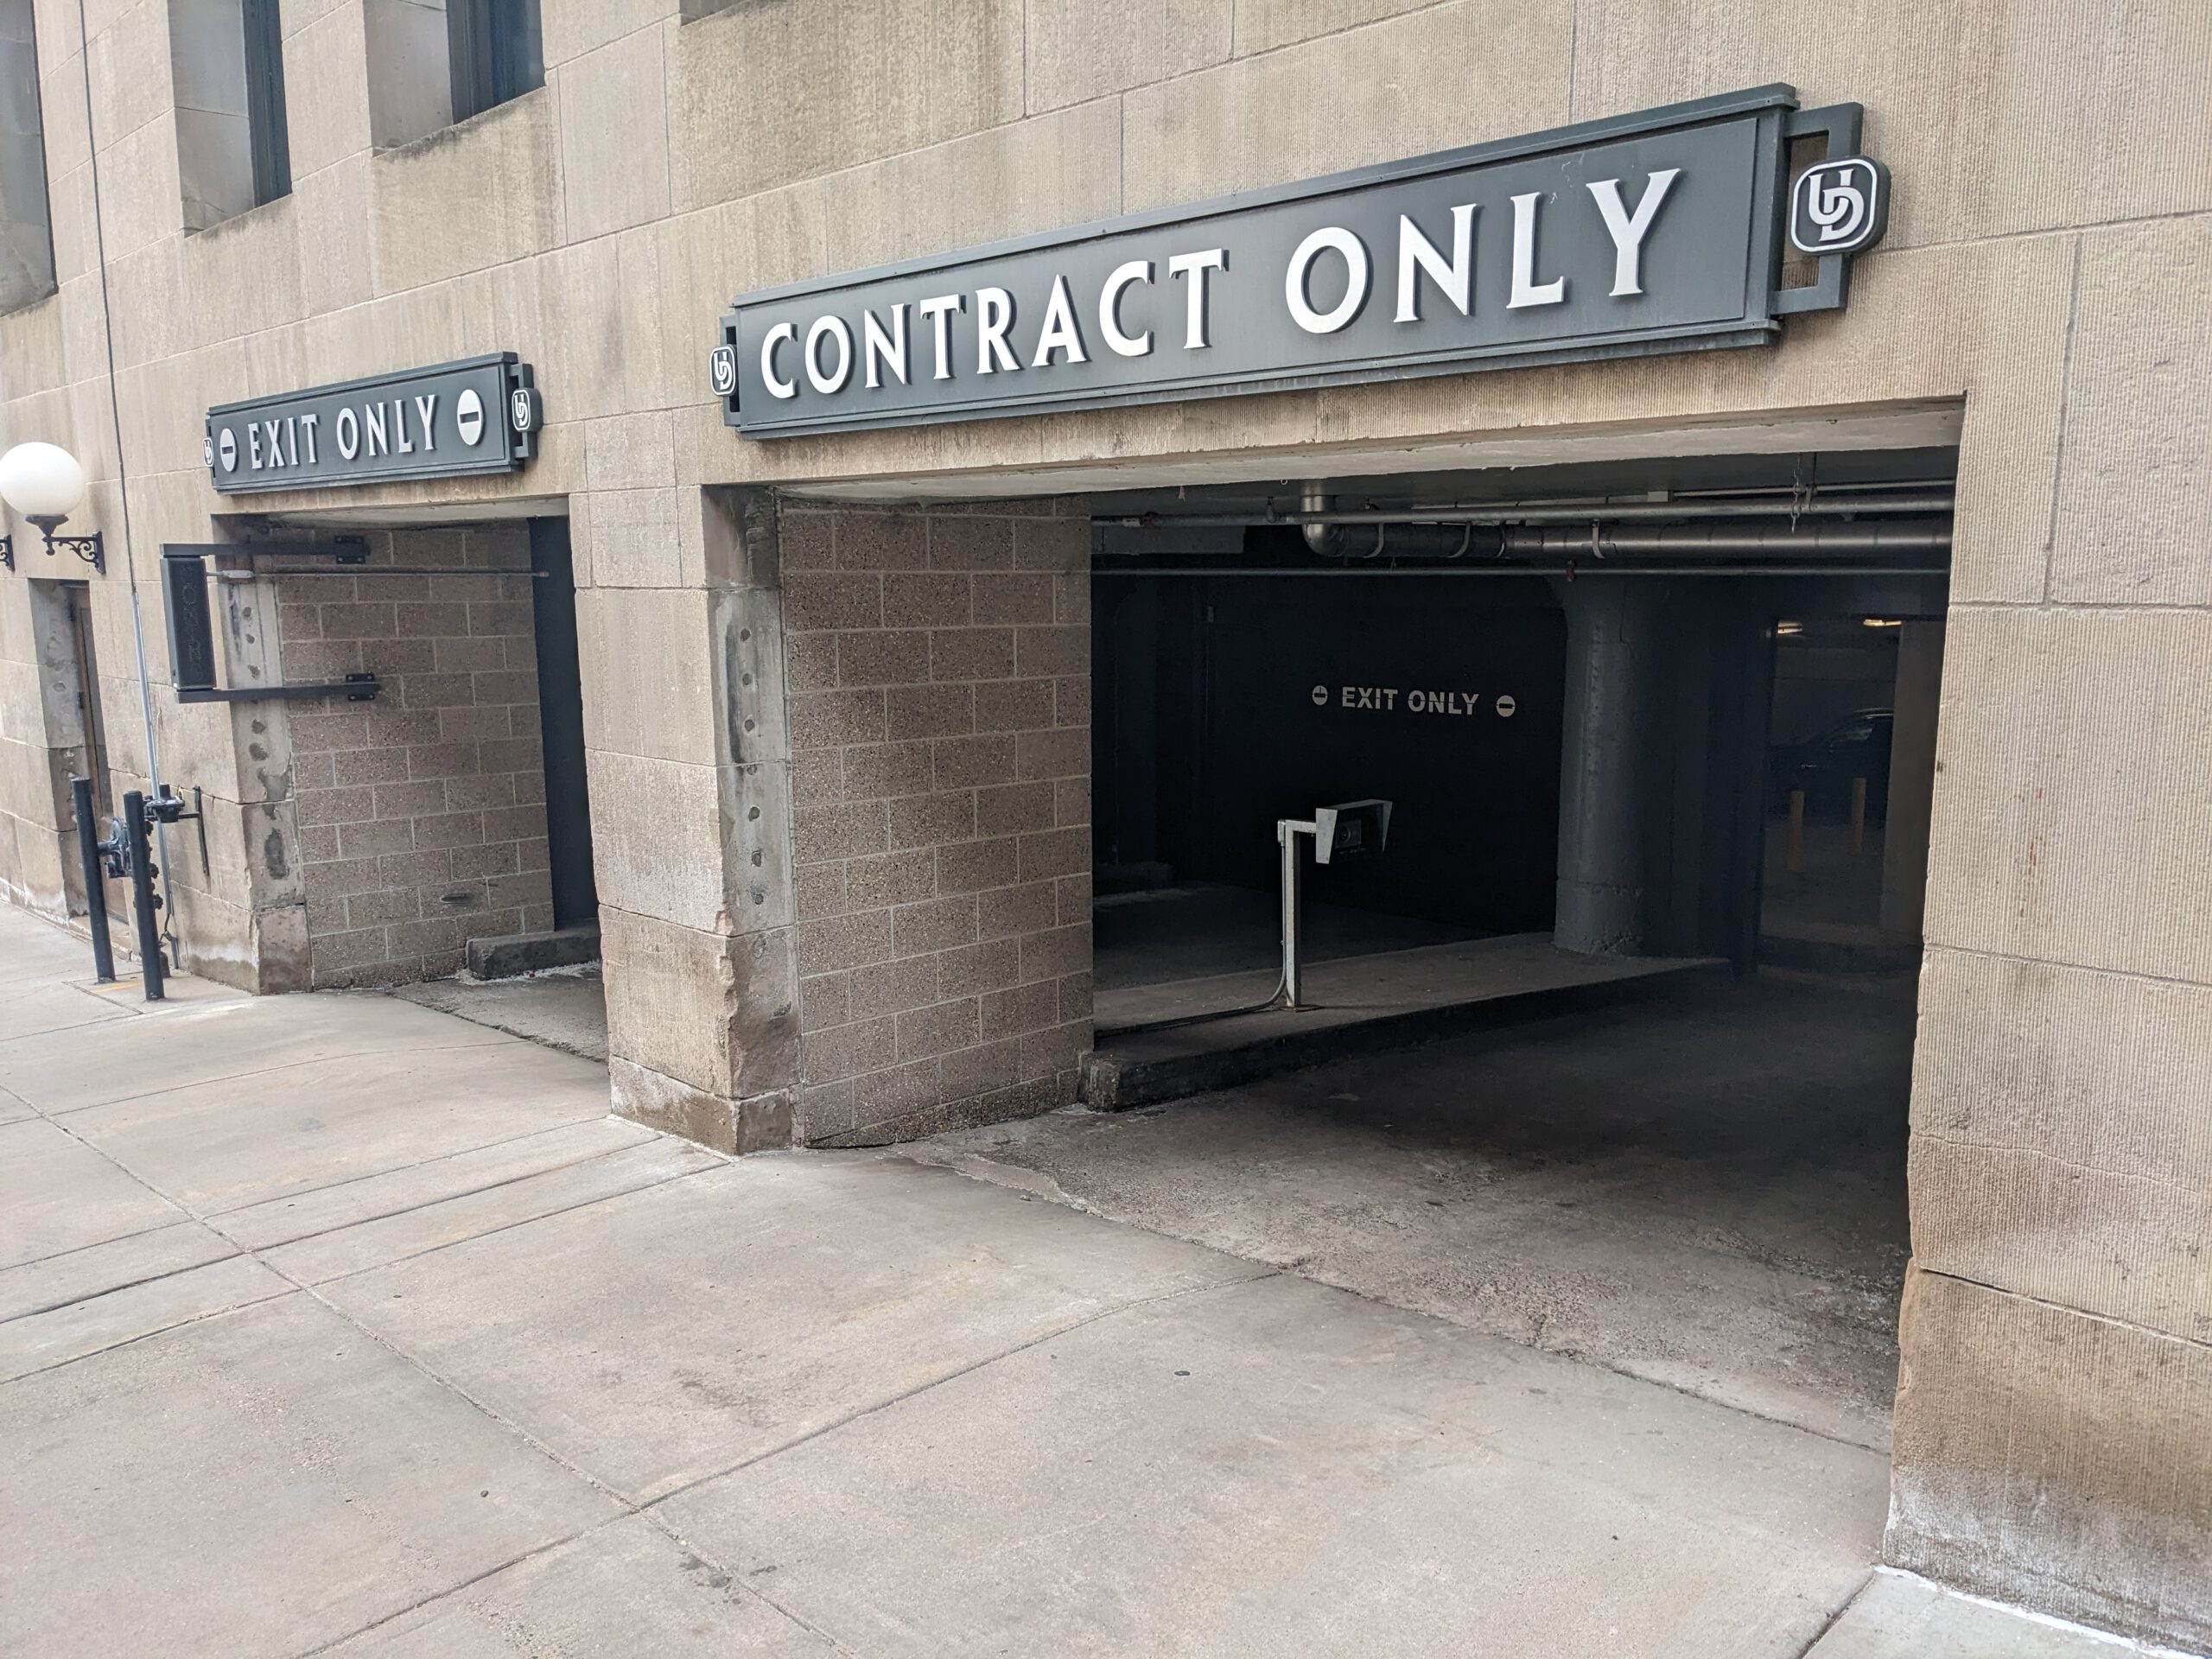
938 671
421 816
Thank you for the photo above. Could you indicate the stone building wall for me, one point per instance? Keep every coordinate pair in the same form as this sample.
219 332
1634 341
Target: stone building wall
937 666
2039 300
422 815
41 743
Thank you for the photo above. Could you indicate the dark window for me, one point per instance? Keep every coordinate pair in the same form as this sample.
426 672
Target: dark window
495 50
26 235
265 100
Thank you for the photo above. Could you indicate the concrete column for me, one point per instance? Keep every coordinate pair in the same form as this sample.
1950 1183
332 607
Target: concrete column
689 766
1912 777
1612 769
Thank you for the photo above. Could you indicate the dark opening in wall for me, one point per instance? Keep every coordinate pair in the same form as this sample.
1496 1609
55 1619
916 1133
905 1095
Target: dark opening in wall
26 229
1226 703
227 73
495 52
433 63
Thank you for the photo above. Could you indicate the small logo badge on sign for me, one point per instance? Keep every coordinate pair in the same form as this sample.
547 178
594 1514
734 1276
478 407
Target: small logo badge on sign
1839 207
722 369
522 410
207 453
226 446
468 416
1321 696
1505 707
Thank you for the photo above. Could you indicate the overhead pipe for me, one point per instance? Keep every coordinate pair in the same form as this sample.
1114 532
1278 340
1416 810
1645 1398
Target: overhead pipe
1569 568
1601 540
1316 511
1322 532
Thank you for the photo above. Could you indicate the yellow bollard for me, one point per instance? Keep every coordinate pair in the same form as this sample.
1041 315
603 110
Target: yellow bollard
1794 859
1858 817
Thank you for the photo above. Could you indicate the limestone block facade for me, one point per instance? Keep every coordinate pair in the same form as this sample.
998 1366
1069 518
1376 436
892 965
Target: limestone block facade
833 688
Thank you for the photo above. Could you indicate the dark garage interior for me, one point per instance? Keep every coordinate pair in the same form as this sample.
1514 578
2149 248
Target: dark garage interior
1609 1049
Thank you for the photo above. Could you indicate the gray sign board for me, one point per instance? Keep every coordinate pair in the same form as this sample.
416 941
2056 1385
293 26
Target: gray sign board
1654 233
477 415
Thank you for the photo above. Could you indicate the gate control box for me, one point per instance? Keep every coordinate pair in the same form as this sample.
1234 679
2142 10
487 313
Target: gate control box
1351 830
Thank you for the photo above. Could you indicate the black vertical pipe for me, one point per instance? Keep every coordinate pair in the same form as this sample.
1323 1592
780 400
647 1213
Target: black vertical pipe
88 849
138 832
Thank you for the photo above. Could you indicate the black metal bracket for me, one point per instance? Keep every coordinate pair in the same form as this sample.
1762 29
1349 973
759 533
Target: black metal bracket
343 550
1841 125
349 553
192 641
167 807
355 688
90 548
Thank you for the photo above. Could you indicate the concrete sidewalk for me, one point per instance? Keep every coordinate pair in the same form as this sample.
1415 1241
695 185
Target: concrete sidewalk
336 1324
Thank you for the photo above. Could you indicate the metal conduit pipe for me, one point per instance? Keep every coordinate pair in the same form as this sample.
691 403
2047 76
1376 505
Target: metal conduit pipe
1316 512
1321 536
1604 542
1599 540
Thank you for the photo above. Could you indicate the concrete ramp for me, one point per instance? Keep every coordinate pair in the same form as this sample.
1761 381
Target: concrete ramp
1160 1042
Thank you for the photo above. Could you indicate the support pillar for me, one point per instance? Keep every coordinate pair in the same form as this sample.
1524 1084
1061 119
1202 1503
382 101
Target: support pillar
1912 777
691 808
1614 767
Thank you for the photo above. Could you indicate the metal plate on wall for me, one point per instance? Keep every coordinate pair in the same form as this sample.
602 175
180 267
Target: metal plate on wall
1659 232
477 415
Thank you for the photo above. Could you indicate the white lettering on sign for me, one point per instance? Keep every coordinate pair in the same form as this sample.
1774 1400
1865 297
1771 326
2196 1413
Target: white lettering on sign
994 316
1194 266
884 350
820 351
1454 278
291 441
1109 309
1329 238
1059 331
1450 702
418 424
1627 230
939 312
1527 290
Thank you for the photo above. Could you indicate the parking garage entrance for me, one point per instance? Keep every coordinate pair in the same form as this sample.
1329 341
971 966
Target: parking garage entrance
1607 1046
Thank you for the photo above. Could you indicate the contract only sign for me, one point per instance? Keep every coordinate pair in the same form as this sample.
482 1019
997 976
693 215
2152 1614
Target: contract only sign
1654 233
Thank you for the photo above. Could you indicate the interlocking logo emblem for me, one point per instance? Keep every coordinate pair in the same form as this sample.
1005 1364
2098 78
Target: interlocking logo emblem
521 408
1839 207
722 370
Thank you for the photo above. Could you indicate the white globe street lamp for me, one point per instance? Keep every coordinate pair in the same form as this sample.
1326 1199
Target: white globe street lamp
45 483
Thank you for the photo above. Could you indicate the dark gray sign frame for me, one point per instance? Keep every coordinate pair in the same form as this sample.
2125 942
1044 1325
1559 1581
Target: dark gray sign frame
1740 299
507 405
